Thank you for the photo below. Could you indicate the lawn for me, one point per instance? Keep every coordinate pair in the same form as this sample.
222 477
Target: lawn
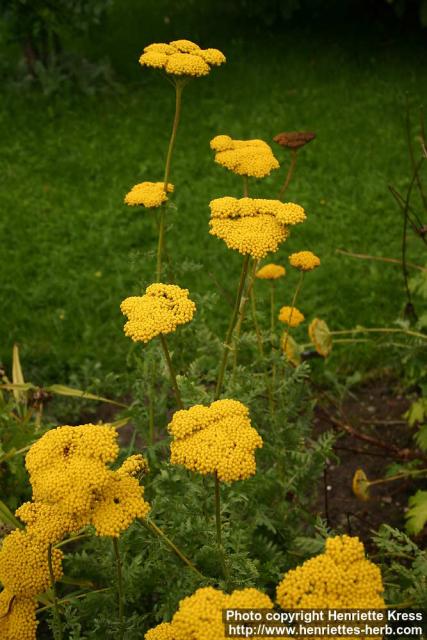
71 249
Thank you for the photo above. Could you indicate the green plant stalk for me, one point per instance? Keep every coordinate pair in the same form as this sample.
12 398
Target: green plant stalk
171 371
398 476
231 326
82 536
406 332
72 598
294 300
58 634
151 526
120 589
256 324
289 173
179 86
151 406
272 386
219 530
242 308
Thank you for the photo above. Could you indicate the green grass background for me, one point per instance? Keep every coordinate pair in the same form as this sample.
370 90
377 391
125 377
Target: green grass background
71 250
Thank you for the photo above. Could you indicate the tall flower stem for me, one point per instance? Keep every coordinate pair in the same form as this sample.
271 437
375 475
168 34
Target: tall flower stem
171 371
179 86
58 634
219 530
151 526
256 325
120 589
294 300
231 326
272 387
289 173
242 308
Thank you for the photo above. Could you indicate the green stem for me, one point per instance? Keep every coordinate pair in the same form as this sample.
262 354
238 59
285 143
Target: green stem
151 406
272 386
242 309
72 598
294 300
232 324
171 372
58 635
379 330
289 173
256 325
219 530
398 476
179 86
83 536
120 590
151 526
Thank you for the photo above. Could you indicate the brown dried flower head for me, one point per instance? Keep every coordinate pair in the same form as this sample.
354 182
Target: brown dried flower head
294 139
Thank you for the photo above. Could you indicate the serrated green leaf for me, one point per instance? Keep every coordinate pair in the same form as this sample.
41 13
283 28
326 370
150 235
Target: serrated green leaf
421 437
417 512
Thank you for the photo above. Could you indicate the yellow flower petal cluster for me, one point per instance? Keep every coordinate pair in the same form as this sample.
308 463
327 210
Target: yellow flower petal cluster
121 501
49 522
304 260
291 316
270 272
244 157
199 616
287 213
74 487
17 617
148 194
160 310
339 578
24 568
181 58
215 439
163 631
253 226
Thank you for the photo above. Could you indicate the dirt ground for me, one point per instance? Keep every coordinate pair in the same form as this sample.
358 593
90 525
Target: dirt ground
372 435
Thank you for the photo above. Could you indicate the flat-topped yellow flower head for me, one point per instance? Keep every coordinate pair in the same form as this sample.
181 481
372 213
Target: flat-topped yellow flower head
49 522
216 439
201 614
304 260
160 310
181 58
270 272
291 316
24 567
148 194
253 226
253 158
17 617
339 578
118 504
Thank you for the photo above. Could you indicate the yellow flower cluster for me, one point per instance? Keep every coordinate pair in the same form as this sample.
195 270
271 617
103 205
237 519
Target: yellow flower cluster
291 316
17 617
160 310
181 58
244 157
73 486
148 194
304 260
199 616
271 272
339 578
24 568
253 226
218 438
